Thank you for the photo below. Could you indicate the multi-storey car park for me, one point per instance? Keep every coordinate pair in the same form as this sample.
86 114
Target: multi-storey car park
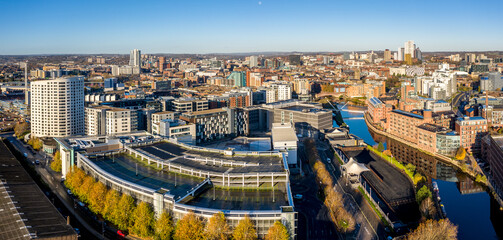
182 178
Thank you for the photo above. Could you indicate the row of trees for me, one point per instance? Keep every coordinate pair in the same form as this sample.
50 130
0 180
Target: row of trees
139 219
343 220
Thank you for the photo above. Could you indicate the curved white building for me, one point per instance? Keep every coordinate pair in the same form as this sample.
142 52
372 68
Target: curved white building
57 107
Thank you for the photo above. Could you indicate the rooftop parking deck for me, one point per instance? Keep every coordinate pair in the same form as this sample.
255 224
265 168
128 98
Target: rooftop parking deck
124 167
167 151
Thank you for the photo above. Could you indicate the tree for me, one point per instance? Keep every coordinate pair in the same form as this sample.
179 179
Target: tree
427 208
387 152
190 227
277 231
56 162
422 194
84 189
245 230
217 227
97 197
35 143
380 147
124 212
143 217
164 227
411 168
460 153
112 199
20 129
441 229
75 179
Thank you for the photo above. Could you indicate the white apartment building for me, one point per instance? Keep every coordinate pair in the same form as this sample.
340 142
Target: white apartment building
120 120
57 107
278 92
95 120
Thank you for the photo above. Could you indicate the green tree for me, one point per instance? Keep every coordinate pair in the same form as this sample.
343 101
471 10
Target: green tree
56 162
217 227
441 229
143 217
277 231
411 168
97 197
124 212
380 147
164 227
112 199
422 194
245 230
190 227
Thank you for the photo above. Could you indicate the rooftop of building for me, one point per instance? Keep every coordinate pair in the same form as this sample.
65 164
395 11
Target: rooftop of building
389 183
124 167
375 101
204 112
164 112
283 132
432 128
408 114
465 119
20 197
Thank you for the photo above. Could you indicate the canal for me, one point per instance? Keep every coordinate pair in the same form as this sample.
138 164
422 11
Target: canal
472 209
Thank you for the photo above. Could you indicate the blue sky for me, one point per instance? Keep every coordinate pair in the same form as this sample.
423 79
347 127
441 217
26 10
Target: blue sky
72 26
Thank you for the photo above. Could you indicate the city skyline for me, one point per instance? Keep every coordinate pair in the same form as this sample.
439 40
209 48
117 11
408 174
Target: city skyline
200 27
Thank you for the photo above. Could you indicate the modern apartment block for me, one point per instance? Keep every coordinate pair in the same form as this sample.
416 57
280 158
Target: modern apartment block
471 131
120 120
105 120
159 116
297 112
96 120
190 105
211 124
278 92
57 107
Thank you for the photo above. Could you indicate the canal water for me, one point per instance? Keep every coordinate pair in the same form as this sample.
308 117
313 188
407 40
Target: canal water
475 213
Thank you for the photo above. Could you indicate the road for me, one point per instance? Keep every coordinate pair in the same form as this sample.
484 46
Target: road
462 96
90 227
368 225
314 220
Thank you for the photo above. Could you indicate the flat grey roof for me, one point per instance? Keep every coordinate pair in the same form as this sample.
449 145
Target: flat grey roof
124 167
21 197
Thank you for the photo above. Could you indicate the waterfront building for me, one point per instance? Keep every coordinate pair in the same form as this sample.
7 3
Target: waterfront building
57 107
492 152
448 143
427 136
471 130
404 124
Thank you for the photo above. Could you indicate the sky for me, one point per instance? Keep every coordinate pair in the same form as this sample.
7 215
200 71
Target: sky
236 26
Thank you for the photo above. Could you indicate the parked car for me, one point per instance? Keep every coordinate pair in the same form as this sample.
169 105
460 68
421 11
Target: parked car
298 196
37 162
121 234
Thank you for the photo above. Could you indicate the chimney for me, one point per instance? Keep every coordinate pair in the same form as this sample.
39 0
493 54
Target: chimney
427 114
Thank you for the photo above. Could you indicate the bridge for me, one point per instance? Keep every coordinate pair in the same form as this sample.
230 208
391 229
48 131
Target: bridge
353 118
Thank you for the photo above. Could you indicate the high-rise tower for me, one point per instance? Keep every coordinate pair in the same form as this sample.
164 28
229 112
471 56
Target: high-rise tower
57 107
